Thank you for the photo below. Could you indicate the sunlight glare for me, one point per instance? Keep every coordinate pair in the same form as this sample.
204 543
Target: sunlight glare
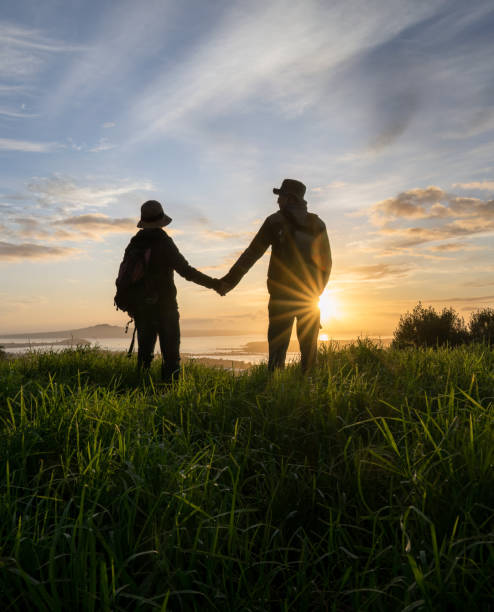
330 306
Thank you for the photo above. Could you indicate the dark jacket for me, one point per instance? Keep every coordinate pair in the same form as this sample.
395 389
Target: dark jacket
165 259
300 262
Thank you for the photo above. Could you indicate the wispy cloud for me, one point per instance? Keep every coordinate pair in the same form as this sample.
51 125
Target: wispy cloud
122 38
29 38
27 146
59 191
460 300
96 224
12 89
18 252
220 235
103 145
379 271
283 53
453 247
480 185
15 114
24 50
75 228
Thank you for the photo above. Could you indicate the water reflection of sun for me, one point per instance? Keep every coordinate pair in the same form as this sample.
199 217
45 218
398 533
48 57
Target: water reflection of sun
330 306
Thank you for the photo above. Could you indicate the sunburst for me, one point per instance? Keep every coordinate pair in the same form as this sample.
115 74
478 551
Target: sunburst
330 306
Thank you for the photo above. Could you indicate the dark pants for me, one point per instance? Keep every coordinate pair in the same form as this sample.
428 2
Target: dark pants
163 323
282 312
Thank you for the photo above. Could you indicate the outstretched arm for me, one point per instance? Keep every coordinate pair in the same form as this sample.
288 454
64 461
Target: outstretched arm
181 265
252 253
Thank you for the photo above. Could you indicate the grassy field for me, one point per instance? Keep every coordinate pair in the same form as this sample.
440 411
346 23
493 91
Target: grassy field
369 486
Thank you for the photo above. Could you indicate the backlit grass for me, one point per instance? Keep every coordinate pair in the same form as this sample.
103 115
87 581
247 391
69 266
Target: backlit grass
368 486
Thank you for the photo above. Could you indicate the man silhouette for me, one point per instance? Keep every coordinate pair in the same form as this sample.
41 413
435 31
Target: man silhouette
299 269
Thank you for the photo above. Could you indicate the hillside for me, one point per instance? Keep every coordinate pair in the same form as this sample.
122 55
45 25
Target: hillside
368 486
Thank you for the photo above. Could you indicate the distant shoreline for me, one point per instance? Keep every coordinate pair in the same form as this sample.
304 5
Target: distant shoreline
65 342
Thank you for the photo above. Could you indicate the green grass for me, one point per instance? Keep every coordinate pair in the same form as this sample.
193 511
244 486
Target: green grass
368 486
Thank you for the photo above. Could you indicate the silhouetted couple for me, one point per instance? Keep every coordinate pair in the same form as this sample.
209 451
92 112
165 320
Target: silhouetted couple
298 271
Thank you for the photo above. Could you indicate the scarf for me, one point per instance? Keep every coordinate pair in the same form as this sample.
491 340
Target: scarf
296 212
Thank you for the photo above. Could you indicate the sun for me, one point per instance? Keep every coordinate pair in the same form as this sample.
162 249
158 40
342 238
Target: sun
330 306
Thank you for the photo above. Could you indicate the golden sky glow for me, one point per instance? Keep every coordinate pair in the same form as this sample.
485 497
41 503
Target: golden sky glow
206 106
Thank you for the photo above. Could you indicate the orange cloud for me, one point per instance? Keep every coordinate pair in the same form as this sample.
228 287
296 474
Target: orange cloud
17 252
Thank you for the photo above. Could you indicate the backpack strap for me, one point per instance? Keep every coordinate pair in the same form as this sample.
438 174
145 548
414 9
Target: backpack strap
132 342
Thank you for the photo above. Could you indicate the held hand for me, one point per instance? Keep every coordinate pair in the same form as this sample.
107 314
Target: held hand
221 286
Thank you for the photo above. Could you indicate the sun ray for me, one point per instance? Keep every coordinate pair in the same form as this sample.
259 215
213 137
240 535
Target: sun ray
330 306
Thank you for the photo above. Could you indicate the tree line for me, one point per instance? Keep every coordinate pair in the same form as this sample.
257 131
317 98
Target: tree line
426 327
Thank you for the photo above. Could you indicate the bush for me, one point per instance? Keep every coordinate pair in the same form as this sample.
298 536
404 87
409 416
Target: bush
424 327
481 326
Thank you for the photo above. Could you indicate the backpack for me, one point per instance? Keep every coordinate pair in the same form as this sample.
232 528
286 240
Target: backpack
306 240
135 286
305 247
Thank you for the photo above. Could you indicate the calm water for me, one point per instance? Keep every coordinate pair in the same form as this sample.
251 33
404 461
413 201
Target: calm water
213 347
220 347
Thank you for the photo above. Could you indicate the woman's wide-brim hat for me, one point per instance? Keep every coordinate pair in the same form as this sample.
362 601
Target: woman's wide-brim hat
153 215
291 187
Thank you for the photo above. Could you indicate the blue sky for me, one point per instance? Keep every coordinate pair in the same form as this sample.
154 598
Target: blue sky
385 109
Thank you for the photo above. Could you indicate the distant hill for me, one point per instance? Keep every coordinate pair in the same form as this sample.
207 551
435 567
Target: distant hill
114 331
95 331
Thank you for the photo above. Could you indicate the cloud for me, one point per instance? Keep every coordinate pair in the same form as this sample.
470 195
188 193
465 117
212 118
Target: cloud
62 191
96 224
18 252
460 300
480 185
479 283
380 271
328 187
6 112
223 235
453 246
443 216
12 89
283 53
24 50
395 113
27 146
71 229
29 38
108 124
123 36
103 145
410 204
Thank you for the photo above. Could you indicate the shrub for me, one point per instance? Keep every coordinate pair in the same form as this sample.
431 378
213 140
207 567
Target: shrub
481 326
425 327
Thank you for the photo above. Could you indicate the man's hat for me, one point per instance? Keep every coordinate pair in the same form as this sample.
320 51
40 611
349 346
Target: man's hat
152 215
293 188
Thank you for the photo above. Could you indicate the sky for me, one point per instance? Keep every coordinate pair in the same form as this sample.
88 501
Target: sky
383 108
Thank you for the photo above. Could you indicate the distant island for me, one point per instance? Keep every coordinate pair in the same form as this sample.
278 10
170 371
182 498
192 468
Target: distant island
104 330
96 331
72 342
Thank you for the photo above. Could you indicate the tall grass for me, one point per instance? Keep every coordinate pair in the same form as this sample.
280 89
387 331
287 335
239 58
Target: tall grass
368 486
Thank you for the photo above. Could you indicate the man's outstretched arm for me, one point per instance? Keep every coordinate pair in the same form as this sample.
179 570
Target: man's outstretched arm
252 253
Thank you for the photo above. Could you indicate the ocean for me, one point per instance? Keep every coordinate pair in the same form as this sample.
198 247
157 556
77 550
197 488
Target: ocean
248 348
234 348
